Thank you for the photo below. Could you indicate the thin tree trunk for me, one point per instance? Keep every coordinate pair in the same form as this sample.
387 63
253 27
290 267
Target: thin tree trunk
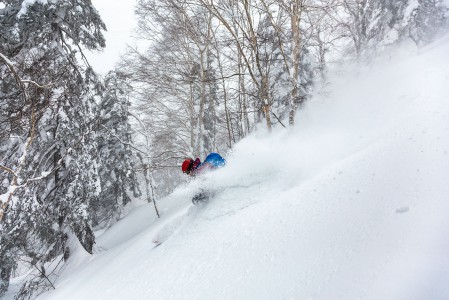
225 98
202 103
265 101
148 185
296 59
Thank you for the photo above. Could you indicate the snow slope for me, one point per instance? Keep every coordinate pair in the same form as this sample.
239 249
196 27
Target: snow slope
351 204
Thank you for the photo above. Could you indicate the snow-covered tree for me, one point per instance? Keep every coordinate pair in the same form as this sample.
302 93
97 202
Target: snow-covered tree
117 161
368 23
427 20
48 134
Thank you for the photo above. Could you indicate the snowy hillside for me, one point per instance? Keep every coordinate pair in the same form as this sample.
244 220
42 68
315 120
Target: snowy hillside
352 204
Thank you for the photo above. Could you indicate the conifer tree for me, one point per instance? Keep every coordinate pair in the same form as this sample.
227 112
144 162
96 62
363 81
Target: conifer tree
48 132
117 161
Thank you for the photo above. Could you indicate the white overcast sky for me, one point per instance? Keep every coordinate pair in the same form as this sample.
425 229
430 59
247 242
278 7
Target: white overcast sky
118 15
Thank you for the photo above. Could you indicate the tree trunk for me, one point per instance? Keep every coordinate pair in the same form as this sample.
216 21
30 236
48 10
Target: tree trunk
296 59
265 101
203 100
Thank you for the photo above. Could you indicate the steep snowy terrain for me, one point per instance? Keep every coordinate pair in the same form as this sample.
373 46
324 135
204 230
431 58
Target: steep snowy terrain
351 204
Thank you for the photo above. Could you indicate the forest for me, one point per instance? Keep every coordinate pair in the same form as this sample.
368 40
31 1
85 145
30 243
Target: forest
77 147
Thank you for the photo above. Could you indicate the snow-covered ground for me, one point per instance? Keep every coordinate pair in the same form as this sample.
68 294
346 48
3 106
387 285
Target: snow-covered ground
351 204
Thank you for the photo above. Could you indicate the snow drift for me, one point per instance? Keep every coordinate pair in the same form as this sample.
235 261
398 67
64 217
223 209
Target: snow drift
351 204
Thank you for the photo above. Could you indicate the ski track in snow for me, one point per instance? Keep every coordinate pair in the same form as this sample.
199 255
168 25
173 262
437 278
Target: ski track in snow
352 204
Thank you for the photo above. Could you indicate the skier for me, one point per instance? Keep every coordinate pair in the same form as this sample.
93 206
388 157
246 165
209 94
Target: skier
195 167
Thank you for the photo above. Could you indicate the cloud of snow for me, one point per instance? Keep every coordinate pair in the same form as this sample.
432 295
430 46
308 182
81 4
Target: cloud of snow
355 114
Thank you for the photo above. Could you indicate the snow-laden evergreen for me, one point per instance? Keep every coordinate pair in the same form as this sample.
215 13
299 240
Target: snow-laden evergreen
350 204
53 139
